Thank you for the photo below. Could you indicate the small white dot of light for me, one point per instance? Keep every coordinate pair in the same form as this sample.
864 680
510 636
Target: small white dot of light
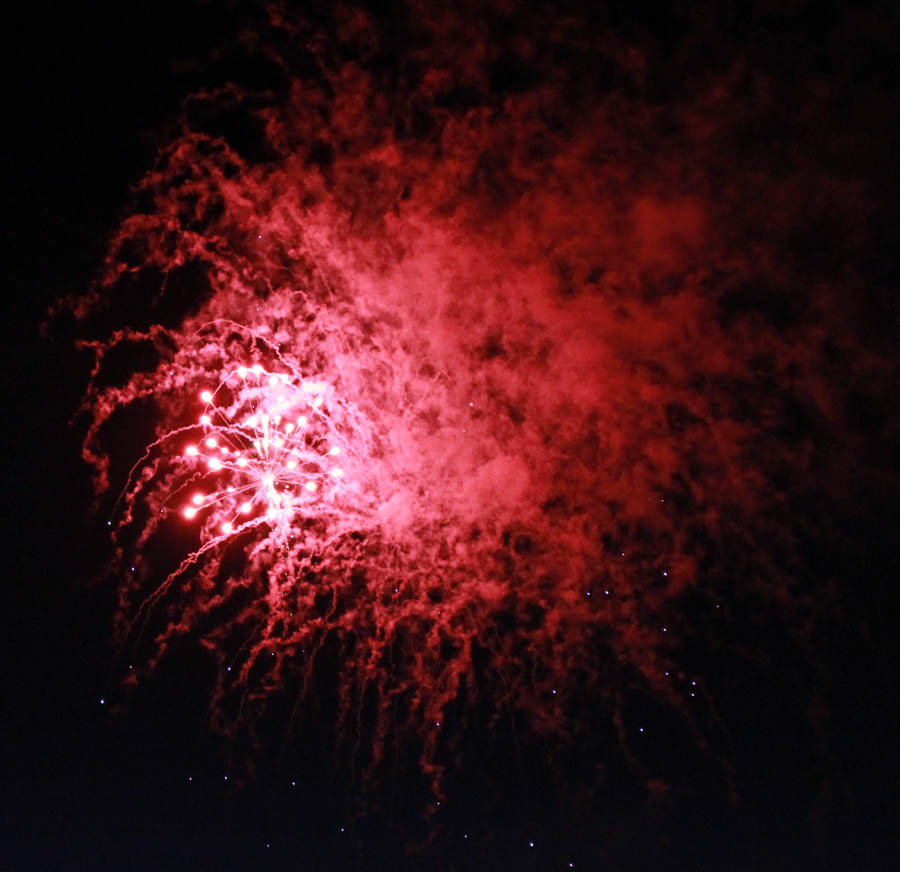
293 784
211 443
310 486
665 630
197 499
242 461
189 778
291 464
242 371
692 693
259 237
205 419
273 380
267 844
439 802
667 673
189 512
102 700
226 778
257 368
531 844
131 667
342 829
132 569
335 449
471 404
109 523
191 451
206 396
553 691
215 463
662 501
302 420
465 835
317 402
622 554
227 527
640 729
606 592
337 472
395 590
666 574
228 669
245 507
693 683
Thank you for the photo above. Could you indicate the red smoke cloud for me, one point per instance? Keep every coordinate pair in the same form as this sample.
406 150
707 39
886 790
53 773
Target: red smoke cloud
576 376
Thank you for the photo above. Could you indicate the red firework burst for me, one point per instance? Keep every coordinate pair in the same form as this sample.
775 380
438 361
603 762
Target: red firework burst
398 404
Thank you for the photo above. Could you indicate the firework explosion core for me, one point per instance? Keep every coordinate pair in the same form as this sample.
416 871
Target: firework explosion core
492 393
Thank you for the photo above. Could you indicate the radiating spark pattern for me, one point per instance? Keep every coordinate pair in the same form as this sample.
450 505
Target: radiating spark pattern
266 452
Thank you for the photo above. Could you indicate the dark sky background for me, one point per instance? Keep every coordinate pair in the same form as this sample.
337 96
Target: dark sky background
805 678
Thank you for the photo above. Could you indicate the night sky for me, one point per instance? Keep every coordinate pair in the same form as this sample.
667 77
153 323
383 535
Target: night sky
582 552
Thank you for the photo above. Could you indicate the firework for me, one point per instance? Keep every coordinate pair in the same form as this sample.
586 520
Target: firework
485 448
